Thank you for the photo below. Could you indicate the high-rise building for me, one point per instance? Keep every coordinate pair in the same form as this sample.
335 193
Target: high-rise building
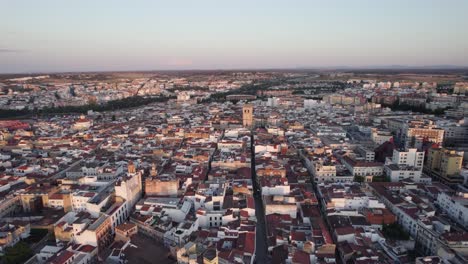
412 157
444 164
416 132
406 165
247 115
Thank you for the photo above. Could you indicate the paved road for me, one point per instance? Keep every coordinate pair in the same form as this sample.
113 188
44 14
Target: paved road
61 174
36 247
261 244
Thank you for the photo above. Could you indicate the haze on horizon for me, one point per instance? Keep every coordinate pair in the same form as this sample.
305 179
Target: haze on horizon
85 35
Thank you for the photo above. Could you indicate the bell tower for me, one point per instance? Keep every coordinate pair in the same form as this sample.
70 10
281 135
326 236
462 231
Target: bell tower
131 167
247 115
154 171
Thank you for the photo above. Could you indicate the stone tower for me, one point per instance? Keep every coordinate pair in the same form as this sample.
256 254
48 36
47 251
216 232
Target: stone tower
247 115
154 171
131 167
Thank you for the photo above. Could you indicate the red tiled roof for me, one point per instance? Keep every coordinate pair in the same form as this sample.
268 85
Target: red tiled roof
62 257
250 202
87 248
298 236
89 194
249 242
344 230
456 237
244 213
56 196
301 257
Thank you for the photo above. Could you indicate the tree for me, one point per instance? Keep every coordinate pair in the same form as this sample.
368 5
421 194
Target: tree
128 102
394 231
72 91
18 253
358 179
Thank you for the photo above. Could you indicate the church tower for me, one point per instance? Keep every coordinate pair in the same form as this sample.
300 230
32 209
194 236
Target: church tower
131 167
247 115
154 171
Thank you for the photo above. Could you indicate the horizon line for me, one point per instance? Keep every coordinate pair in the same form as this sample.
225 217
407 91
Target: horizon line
318 68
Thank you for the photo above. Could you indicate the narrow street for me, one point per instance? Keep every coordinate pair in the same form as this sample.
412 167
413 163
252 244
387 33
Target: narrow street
261 244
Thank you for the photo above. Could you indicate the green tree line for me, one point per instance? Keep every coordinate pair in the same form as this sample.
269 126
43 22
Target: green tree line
397 106
124 103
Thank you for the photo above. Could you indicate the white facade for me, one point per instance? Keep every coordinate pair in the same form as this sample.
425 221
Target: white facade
210 219
230 144
455 207
366 171
409 223
276 190
310 103
397 173
46 253
267 148
130 188
331 131
55 203
80 200
272 102
281 205
324 173
380 137
412 157
367 154
118 213
356 203
405 165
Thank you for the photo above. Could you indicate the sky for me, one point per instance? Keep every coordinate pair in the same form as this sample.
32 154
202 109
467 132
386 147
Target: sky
114 35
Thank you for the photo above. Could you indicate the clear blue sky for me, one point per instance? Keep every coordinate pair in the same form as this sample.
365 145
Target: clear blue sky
82 35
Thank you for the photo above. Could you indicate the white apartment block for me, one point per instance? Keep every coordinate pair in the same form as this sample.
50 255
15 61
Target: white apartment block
398 173
367 154
406 165
380 137
455 206
412 158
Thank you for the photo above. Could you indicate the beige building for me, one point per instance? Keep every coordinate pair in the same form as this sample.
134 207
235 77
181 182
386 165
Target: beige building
34 199
444 164
161 187
460 88
12 233
431 134
125 231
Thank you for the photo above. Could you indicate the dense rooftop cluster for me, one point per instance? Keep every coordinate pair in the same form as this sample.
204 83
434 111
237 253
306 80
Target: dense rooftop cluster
315 168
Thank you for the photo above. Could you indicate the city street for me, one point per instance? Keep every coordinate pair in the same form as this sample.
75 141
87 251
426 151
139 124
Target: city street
261 243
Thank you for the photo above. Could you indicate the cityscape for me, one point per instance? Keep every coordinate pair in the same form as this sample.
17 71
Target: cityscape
230 157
